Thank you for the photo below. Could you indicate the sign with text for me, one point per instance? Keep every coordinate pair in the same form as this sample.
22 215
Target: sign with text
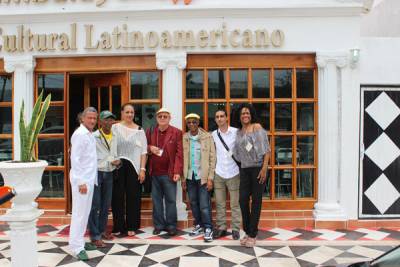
25 40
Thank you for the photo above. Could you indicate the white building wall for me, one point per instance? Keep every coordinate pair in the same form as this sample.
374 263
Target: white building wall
310 26
380 61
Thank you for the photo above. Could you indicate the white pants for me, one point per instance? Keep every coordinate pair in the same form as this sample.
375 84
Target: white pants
81 205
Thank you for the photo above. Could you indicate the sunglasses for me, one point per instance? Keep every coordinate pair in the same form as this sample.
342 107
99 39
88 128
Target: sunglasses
192 122
162 116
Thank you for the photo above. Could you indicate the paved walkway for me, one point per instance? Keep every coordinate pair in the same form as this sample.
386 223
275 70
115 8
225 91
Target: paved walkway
276 247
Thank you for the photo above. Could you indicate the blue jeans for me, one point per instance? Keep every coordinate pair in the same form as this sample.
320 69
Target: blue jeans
200 202
163 188
100 205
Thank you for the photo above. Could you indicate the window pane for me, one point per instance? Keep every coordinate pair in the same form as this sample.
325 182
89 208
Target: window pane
283 116
104 99
94 98
283 150
51 83
116 101
212 108
216 84
53 184
5 120
194 84
52 150
238 83
260 83
5 149
305 83
5 88
305 116
196 108
305 183
54 121
283 83
145 85
283 183
145 114
305 148
263 114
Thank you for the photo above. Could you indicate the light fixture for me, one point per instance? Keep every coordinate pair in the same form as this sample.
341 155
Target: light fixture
354 57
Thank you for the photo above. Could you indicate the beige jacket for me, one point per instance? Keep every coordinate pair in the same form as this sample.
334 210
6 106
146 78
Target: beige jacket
105 155
208 157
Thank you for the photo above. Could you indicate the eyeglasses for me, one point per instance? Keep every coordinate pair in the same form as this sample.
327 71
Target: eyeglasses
192 122
162 116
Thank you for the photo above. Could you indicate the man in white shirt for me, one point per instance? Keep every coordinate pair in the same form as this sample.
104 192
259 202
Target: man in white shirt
226 176
83 177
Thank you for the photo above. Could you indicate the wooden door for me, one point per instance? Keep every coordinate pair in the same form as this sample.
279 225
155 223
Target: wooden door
106 92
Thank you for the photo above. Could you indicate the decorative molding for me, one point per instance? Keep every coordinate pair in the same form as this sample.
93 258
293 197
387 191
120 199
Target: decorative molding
340 59
26 63
165 60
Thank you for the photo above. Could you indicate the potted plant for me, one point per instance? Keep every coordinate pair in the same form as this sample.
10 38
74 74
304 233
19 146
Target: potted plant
25 175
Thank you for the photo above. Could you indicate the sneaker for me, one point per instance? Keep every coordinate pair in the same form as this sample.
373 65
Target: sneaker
197 230
172 232
90 246
219 233
157 231
235 235
208 235
82 256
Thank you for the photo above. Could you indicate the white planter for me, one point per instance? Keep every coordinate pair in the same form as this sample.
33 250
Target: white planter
26 179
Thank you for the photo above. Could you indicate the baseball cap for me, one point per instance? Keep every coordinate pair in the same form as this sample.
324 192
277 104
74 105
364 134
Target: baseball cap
105 114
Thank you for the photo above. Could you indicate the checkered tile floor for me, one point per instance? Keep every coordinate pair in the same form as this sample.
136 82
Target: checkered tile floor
276 247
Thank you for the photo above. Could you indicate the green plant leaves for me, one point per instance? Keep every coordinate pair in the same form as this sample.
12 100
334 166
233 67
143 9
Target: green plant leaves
29 134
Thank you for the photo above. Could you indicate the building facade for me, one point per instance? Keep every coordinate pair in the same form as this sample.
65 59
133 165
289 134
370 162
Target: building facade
299 62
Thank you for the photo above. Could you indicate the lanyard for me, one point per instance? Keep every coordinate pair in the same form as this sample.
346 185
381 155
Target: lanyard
105 140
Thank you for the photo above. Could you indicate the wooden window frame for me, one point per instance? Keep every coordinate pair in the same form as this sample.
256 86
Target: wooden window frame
55 202
150 101
270 62
8 104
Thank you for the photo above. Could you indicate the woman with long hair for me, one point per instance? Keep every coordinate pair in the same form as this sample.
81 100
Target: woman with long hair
132 150
253 151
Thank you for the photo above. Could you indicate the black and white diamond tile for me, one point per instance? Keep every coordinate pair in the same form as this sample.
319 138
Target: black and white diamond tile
382 193
380 186
264 234
383 110
218 253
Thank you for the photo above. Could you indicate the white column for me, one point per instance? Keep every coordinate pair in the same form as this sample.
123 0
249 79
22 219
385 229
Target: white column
329 135
172 65
22 67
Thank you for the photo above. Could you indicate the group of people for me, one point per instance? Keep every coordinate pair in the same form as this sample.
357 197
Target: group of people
108 167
